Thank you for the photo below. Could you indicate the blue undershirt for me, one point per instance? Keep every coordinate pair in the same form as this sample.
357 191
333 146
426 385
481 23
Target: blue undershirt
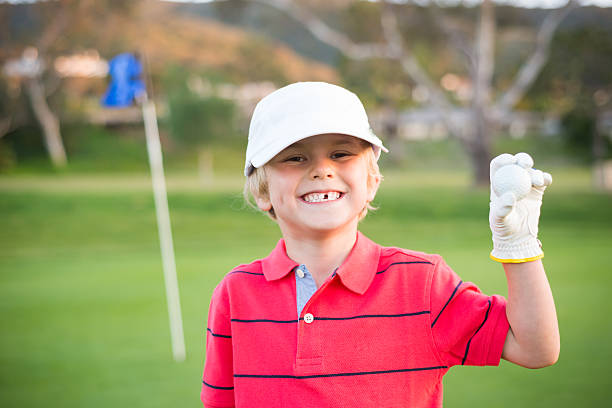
305 287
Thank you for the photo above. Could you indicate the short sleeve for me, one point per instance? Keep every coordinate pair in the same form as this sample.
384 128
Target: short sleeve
218 377
468 327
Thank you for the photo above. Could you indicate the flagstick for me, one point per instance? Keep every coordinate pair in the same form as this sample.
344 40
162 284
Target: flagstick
163 225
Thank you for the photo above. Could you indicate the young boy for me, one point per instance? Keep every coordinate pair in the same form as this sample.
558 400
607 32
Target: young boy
331 319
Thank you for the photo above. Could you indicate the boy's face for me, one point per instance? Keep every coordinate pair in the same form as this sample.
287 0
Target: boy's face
319 184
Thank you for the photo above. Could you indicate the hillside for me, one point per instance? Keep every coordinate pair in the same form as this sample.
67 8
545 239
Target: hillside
167 37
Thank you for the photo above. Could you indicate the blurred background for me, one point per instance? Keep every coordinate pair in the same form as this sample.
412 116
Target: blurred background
447 85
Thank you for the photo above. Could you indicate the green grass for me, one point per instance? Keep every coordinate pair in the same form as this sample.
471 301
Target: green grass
82 302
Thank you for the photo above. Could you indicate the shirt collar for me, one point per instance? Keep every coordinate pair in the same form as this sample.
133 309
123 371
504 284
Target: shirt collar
277 264
356 272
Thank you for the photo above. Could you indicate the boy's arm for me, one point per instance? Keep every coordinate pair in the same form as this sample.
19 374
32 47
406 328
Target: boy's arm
533 338
516 197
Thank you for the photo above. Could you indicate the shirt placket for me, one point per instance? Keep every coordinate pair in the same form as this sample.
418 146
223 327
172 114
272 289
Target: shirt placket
309 358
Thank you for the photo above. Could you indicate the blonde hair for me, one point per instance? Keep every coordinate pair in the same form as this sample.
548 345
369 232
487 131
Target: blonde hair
256 184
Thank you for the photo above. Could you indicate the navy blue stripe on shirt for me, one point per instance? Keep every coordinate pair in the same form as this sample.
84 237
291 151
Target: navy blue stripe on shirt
377 315
302 377
218 335
216 387
263 321
447 302
467 349
250 273
331 318
403 263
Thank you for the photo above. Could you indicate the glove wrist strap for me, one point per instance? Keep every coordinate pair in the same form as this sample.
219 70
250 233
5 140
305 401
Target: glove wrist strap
517 252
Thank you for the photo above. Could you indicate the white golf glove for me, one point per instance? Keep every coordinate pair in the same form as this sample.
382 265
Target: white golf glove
514 210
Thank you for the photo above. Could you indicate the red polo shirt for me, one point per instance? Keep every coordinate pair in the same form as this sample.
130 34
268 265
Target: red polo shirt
380 332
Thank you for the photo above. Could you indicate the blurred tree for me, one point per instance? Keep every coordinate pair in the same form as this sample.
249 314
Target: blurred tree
52 28
196 121
198 118
578 80
390 40
576 74
579 132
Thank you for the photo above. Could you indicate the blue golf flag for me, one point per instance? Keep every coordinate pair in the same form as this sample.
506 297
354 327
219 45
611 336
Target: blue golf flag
125 85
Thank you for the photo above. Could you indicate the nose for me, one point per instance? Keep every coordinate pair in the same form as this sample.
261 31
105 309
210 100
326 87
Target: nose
322 169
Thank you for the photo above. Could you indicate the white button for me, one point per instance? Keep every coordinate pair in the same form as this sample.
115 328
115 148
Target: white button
308 318
300 273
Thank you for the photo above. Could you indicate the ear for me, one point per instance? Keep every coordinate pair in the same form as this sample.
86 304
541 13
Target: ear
373 184
263 203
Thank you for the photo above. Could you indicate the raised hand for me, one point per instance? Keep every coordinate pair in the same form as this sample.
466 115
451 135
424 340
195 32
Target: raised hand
514 211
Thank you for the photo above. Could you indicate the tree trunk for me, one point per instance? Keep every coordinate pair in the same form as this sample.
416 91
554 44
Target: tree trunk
480 146
48 122
479 149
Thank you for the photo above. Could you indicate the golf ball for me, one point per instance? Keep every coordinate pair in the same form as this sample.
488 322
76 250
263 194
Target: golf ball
512 178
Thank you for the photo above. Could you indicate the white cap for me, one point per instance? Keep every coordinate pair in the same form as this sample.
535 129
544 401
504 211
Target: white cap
301 110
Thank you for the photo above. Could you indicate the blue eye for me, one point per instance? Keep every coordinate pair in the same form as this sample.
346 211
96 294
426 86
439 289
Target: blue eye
295 158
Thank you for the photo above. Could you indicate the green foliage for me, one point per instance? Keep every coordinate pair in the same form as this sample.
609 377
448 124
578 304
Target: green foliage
579 131
96 148
174 77
578 66
377 82
25 142
194 120
89 148
197 121
7 157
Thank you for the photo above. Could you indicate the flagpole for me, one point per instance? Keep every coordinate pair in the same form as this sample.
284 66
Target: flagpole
126 86
163 225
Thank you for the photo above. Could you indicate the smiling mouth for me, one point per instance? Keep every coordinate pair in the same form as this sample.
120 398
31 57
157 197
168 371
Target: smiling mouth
322 197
